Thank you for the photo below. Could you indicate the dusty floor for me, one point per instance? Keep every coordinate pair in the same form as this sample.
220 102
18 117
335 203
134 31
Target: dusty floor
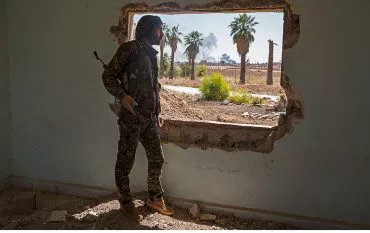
177 106
108 215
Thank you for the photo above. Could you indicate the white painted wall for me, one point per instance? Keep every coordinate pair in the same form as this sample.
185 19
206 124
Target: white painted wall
5 117
63 129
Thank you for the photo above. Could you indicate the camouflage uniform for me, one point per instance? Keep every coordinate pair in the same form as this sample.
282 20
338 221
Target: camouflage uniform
136 65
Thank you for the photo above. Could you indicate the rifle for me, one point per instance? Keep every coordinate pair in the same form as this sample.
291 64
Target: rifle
115 106
98 58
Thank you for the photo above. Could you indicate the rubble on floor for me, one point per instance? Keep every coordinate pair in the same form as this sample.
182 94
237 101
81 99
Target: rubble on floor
195 210
56 211
57 216
207 217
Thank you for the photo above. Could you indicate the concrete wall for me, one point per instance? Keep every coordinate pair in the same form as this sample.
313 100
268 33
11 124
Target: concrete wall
63 129
5 117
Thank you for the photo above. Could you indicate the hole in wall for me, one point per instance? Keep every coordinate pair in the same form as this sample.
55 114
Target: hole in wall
223 134
205 55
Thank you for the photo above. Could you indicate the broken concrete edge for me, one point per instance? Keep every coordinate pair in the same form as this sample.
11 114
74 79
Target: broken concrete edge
212 124
294 110
242 212
217 135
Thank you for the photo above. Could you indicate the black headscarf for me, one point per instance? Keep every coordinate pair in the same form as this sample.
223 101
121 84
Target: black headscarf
146 26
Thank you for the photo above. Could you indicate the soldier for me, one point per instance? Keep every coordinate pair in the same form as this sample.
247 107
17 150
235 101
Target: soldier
138 92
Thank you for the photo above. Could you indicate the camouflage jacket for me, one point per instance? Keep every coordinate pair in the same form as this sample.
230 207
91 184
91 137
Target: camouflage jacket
133 71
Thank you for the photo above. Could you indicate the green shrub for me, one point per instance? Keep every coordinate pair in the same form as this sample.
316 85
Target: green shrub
215 87
201 70
185 70
243 97
256 100
176 70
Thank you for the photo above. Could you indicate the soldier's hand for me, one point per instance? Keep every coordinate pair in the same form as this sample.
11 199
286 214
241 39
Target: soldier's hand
159 121
128 102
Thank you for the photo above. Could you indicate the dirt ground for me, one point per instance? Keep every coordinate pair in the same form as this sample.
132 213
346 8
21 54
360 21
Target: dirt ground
105 215
177 106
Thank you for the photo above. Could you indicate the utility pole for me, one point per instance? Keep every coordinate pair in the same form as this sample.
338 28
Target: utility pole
270 66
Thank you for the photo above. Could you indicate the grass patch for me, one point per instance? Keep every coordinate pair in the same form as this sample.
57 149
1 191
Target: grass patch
243 97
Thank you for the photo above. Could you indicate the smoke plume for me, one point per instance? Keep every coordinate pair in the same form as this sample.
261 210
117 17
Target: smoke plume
210 43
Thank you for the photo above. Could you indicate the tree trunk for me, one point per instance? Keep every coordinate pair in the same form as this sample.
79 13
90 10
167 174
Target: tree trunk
161 64
172 61
242 69
192 70
270 80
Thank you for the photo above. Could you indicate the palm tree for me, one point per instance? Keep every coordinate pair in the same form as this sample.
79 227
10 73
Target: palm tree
270 66
193 40
163 43
173 39
242 30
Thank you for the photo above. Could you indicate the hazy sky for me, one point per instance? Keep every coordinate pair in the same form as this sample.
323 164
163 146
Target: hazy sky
270 27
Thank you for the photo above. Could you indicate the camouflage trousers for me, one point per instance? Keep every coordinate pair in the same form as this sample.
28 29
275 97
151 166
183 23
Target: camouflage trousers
135 128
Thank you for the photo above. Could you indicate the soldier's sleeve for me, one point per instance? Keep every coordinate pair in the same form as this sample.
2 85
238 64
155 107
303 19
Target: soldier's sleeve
115 66
159 109
157 89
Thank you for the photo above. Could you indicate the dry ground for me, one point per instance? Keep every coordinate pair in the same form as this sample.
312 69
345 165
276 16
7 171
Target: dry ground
108 215
177 106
